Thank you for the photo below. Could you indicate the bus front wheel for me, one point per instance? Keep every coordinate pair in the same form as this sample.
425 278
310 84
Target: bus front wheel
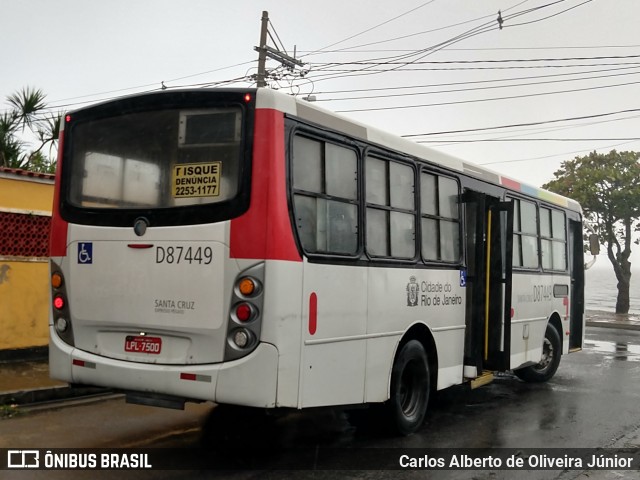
546 368
410 387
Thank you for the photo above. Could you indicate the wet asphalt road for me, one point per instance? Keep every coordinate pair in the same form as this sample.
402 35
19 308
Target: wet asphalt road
591 402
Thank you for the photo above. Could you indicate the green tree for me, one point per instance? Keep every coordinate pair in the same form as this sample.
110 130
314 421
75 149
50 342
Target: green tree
27 112
608 188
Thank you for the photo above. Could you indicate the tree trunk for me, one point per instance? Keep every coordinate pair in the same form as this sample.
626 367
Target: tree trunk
622 302
621 264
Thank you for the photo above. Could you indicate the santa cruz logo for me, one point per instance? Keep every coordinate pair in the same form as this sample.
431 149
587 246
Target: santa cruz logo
412 292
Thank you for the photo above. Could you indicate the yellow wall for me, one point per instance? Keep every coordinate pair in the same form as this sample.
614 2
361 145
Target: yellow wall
24 304
24 282
25 194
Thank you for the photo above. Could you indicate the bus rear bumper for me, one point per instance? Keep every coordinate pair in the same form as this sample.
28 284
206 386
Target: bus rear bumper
250 381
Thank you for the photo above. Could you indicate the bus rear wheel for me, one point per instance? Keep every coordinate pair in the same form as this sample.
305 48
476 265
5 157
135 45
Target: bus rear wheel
546 368
410 385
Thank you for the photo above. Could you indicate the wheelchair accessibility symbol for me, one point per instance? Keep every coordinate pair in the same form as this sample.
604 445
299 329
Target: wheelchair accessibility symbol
85 253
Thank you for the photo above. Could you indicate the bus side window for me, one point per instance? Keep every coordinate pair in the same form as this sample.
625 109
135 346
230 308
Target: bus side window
325 194
525 234
305 212
553 239
439 207
391 220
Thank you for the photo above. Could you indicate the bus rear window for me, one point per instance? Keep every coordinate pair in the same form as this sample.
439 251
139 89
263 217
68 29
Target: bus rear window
156 159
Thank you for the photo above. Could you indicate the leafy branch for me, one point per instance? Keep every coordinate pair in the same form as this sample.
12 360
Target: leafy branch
26 113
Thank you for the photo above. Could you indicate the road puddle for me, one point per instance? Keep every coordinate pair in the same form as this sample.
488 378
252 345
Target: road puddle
620 350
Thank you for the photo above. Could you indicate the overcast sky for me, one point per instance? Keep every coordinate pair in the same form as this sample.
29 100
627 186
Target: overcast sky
587 52
79 51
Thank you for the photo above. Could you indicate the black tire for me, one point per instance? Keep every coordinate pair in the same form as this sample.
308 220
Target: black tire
546 368
410 385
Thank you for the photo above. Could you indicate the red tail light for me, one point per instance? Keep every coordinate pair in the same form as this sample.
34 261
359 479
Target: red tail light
244 312
58 302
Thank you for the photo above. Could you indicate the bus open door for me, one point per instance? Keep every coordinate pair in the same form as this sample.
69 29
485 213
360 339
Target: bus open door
489 239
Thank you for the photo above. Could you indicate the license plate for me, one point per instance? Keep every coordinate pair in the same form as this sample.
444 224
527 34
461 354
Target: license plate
143 344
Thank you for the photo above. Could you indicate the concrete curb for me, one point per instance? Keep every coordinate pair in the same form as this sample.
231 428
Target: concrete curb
618 325
47 394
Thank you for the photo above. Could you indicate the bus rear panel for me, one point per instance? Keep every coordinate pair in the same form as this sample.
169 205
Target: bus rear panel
148 296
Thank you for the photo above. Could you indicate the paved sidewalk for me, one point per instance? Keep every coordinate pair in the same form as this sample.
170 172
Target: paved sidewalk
29 382
597 318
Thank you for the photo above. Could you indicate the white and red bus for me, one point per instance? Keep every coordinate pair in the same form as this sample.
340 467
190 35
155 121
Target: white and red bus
246 247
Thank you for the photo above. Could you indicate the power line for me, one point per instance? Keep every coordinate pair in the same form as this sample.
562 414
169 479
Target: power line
146 86
45 112
471 82
412 58
422 53
372 28
505 60
532 140
460 102
548 17
528 124
344 72
492 87
483 49
354 73
516 160
323 50
518 131
331 74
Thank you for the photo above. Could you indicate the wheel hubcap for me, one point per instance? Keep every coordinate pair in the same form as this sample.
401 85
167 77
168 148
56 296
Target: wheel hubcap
547 355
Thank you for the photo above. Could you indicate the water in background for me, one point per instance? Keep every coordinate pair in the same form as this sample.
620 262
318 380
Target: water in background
601 289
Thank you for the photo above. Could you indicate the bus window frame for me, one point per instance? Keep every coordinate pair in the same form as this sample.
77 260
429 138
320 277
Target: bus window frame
511 196
174 215
459 220
378 154
294 126
517 214
554 240
325 137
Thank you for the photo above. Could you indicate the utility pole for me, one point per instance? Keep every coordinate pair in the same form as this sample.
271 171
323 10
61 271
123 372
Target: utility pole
262 51
265 51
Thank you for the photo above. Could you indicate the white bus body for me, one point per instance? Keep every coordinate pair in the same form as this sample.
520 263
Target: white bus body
149 298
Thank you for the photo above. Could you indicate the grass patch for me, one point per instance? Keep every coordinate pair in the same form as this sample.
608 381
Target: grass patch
8 411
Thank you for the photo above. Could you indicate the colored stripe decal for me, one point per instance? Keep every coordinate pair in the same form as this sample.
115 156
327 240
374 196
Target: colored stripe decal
507 182
539 193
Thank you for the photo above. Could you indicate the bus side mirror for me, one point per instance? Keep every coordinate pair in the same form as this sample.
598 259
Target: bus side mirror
594 244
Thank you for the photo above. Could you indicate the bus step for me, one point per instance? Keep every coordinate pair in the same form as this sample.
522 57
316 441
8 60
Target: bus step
155 400
485 378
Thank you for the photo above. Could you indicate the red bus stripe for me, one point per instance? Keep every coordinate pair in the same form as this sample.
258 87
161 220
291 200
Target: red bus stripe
265 231
59 228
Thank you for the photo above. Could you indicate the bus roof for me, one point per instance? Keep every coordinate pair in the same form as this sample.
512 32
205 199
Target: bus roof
267 98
